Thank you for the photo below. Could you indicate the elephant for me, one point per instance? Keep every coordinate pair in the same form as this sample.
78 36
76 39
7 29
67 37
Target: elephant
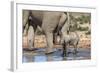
69 36
49 21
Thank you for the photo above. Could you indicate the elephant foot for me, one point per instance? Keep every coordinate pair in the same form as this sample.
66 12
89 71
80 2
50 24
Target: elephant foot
49 53
31 49
27 49
75 51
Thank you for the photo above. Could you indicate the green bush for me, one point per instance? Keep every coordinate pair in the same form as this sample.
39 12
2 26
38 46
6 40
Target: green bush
88 33
84 19
82 28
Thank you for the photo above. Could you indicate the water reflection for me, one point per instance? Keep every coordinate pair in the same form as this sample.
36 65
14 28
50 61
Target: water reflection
39 56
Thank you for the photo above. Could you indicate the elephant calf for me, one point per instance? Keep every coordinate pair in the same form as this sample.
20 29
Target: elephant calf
71 38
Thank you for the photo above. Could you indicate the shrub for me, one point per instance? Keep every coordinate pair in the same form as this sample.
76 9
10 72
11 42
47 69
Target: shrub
82 28
88 33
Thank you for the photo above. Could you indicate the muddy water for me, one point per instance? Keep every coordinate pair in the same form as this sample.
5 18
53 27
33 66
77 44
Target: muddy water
38 55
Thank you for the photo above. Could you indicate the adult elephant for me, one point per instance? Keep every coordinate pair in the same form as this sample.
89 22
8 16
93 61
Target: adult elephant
50 22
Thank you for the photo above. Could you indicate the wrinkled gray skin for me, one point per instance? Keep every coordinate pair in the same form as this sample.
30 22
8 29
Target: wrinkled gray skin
48 21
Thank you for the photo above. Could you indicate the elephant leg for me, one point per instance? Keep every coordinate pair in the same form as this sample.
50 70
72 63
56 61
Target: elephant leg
31 37
64 54
25 30
55 38
60 37
75 50
49 39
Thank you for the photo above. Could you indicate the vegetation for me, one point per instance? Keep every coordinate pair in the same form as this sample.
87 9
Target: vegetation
88 33
82 28
84 19
81 23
